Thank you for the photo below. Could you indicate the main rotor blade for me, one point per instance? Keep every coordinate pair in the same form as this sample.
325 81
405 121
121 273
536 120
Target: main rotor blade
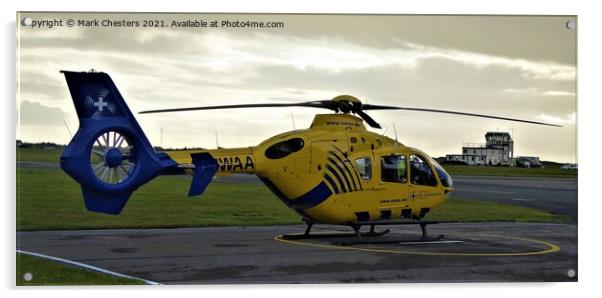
368 119
324 104
379 107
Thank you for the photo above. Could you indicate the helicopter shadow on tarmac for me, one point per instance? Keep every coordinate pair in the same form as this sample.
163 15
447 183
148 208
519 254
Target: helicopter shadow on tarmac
475 244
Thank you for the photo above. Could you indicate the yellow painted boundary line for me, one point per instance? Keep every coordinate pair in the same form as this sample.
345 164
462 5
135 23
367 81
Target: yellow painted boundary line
551 248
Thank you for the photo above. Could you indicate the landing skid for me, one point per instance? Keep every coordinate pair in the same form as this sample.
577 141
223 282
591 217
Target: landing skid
372 233
425 238
332 235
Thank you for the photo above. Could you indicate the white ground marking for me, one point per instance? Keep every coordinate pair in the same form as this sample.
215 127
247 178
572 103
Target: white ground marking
90 267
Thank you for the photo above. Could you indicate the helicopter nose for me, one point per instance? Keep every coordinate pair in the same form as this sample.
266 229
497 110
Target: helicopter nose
447 192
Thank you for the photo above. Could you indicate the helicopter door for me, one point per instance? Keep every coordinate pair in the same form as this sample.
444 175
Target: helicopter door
422 183
394 184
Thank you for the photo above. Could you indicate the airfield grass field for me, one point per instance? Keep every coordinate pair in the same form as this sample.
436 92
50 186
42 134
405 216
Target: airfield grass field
48 199
39 154
547 171
50 273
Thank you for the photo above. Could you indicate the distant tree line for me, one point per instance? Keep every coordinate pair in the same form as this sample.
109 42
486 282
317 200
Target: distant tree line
47 145
41 145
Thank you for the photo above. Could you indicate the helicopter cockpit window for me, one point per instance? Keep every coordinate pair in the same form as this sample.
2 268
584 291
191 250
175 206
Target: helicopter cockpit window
394 169
446 180
420 172
364 167
284 148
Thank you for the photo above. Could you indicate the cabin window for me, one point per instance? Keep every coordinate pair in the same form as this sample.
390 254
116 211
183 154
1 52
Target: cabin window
364 167
284 148
394 169
420 172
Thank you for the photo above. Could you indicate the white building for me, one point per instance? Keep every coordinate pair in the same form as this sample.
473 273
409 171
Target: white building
498 150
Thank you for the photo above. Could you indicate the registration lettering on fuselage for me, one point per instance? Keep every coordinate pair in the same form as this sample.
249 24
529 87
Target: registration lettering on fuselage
235 163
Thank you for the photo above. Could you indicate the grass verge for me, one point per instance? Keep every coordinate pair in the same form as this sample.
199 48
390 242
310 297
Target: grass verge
45 272
39 154
548 171
464 210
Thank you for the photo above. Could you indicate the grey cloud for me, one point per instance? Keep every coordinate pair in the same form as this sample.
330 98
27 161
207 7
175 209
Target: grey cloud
33 113
43 84
173 69
543 38
108 40
433 83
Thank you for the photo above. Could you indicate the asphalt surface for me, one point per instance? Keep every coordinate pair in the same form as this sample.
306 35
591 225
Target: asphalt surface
475 252
37 165
557 195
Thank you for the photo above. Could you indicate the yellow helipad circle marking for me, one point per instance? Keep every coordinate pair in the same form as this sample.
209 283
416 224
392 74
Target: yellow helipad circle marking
551 247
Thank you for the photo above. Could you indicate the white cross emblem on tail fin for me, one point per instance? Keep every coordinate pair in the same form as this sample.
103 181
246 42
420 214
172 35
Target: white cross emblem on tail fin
101 104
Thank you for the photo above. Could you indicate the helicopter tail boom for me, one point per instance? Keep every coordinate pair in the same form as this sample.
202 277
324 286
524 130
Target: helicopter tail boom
109 156
227 160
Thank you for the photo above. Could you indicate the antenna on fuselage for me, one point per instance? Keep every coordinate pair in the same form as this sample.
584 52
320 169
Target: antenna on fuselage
67 126
395 131
293 119
385 129
216 141
161 142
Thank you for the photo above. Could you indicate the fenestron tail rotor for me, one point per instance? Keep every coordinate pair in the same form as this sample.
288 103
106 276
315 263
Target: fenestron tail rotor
112 158
345 104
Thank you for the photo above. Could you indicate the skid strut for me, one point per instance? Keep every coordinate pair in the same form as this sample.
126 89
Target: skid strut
356 230
309 224
425 236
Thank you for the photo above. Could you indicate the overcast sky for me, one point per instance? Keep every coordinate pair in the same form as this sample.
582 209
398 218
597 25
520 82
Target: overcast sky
522 67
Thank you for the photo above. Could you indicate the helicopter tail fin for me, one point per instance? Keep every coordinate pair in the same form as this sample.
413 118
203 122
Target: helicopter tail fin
109 156
205 167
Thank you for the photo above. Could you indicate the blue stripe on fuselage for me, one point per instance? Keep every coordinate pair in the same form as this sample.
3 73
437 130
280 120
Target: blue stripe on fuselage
331 182
311 199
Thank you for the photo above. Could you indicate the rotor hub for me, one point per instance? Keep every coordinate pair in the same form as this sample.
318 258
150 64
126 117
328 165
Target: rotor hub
347 98
347 104
114 157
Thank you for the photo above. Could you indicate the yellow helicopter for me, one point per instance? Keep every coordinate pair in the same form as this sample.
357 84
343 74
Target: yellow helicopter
334 172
